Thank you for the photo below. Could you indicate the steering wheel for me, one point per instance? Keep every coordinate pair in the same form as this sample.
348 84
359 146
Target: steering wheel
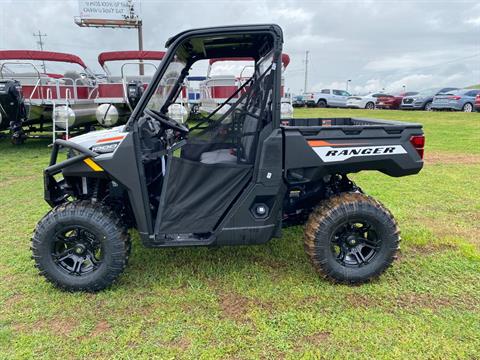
165 120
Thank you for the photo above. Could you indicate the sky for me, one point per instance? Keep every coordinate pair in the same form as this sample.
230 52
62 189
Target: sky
375 44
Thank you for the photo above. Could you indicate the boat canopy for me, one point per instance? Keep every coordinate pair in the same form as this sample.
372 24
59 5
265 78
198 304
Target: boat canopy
40 55
285 59
129 55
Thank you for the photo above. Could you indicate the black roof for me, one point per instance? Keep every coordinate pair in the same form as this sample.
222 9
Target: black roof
228 29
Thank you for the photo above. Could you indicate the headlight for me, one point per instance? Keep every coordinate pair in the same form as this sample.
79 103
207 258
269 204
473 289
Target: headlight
64 115
107 115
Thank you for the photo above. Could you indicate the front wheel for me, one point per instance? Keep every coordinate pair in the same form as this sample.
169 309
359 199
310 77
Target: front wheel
370 106
467 107
351 238
81 246
428 106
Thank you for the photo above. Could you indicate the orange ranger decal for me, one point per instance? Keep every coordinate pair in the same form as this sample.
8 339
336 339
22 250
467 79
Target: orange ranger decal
316 143
111 139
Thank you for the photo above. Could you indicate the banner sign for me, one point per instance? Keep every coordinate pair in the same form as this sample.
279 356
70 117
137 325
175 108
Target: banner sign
108 9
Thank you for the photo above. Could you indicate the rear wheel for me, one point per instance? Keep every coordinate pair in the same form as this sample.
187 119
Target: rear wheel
351 238
467 107
321 103
370 106
81 246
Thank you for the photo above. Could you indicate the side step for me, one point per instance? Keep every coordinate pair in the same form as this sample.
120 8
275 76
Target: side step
178 240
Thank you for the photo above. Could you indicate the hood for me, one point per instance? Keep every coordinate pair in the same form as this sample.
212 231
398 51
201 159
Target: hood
100 137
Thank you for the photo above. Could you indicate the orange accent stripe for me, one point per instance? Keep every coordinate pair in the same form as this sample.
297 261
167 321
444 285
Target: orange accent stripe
316 143
111 139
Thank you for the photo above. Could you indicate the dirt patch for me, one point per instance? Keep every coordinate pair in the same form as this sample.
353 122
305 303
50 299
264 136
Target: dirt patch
63 326
449 229
413 301
440 157
101 328
12 301
235 307
318 338
431 248
181 343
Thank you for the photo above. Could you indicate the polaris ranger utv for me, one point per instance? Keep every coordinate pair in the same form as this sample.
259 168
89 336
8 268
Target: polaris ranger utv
234 177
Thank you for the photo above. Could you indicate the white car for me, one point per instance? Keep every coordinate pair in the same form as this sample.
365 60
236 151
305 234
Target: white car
363 102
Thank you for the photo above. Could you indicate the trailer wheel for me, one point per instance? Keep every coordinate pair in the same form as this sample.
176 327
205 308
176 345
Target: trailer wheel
321 103
81 246
351 238
18 138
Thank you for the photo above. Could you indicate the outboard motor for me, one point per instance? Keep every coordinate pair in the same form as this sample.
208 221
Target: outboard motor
134 92
12 109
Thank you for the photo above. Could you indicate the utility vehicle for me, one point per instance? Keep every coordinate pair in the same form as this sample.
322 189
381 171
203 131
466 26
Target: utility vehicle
237 179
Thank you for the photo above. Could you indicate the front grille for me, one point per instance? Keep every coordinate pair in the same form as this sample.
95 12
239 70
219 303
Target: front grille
407 101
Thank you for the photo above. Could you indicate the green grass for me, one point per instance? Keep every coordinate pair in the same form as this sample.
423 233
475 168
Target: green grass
264 301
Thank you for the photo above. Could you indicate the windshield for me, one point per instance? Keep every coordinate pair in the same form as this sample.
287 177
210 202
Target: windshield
166 85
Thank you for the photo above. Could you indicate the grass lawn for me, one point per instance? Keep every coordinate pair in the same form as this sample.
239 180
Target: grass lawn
264 301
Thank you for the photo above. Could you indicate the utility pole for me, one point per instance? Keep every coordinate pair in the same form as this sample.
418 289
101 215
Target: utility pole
348 82
306 72
40 44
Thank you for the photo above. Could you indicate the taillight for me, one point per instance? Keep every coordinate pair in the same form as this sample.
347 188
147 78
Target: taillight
454 97
418 142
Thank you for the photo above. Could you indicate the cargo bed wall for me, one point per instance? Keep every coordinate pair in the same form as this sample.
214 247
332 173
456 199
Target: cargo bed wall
322 146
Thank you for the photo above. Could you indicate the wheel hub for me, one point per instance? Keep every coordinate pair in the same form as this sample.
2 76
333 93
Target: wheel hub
79 249
355 244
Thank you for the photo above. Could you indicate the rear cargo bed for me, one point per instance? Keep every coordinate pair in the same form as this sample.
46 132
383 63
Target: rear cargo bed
346 145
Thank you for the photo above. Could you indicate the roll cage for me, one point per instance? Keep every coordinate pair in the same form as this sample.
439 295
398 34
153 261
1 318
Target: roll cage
217 42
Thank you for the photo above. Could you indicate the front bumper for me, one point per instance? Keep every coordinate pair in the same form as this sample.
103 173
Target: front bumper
413 106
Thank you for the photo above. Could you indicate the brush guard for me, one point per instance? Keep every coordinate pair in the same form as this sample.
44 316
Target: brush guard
54 191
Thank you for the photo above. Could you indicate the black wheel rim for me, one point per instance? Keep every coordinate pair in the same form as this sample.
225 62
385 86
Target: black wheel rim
355 243
77 251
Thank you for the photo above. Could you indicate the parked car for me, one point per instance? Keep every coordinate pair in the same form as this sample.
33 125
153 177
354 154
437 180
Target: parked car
460 100
363 102
423 100
477 103
327 98
392 102
298 101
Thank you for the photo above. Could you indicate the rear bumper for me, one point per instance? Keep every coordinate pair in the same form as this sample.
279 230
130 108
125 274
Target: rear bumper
477 107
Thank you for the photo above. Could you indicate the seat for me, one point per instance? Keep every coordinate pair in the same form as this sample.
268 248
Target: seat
221 156
249 118
249 129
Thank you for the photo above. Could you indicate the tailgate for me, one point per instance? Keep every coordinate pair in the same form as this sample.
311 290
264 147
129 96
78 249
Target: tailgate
348 145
